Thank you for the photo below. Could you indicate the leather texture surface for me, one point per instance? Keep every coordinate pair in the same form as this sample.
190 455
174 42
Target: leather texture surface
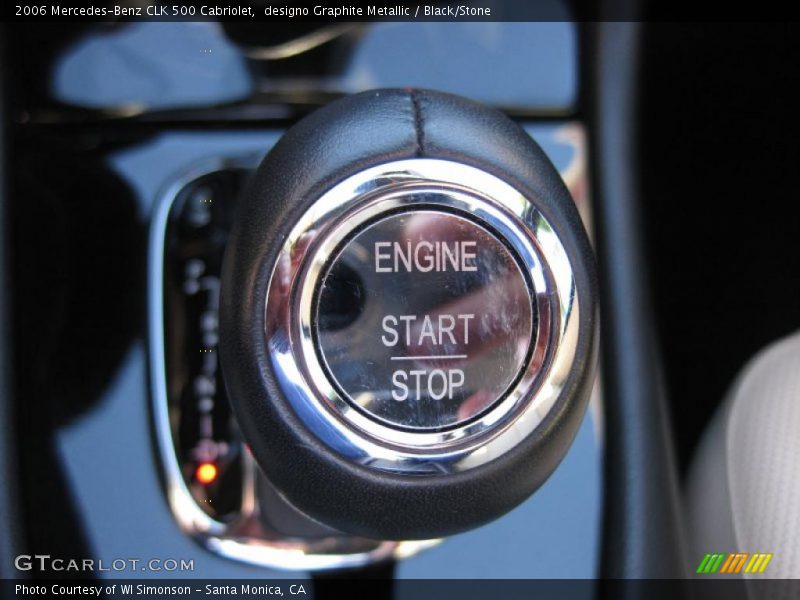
643 529
743 484
333 143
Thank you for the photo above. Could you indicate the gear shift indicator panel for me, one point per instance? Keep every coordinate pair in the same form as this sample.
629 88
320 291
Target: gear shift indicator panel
424 319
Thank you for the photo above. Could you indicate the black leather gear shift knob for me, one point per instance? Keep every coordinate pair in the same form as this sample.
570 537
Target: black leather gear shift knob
408 320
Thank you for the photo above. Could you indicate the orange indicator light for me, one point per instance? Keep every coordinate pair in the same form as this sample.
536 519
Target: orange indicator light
206 473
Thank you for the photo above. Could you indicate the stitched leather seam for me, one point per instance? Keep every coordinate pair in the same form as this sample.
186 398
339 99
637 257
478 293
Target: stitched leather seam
418 125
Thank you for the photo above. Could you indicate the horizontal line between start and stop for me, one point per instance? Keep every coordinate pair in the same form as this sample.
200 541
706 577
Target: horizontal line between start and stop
446 357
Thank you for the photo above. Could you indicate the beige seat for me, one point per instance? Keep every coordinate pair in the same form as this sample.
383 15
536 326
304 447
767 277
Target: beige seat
743 489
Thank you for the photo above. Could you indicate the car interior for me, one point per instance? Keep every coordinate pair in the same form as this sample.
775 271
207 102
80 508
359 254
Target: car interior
397 301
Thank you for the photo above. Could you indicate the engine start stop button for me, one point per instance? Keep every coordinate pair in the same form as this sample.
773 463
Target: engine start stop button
424 319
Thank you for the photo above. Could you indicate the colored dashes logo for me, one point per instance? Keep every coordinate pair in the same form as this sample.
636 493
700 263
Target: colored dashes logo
735 562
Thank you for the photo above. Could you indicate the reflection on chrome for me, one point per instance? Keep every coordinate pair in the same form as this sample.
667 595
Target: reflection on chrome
341 384
301 44
432 328
250 536
245 538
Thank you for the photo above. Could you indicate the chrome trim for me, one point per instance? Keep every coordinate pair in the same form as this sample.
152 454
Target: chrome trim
300 44
227 539
404 185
